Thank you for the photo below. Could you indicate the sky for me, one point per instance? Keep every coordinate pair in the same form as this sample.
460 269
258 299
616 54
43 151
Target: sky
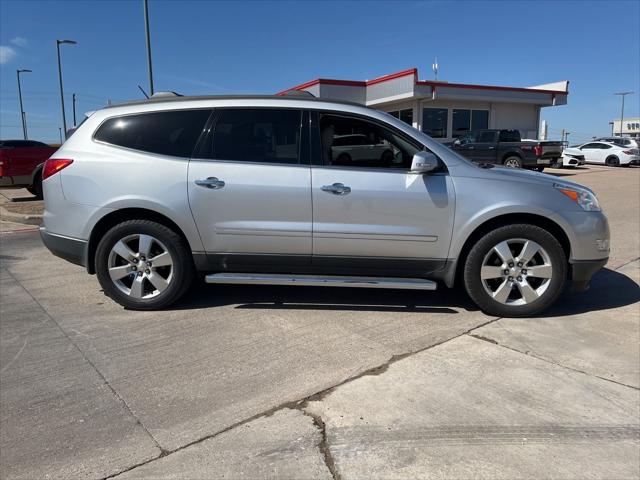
219 47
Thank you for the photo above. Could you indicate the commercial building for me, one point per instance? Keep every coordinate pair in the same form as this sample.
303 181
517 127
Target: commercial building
446 110
630 127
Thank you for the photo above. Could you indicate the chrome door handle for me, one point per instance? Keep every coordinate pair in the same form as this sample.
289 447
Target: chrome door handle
336 189
211 182
492 148
471 147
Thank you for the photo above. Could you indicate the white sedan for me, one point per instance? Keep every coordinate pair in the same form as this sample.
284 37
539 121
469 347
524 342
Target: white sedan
571 157
609 154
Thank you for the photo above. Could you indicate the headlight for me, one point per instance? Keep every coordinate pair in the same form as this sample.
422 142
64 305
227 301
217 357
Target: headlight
581 196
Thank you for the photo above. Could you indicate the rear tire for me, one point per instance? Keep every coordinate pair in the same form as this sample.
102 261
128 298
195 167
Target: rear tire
612 161
36 188
513 162
515 271
143 265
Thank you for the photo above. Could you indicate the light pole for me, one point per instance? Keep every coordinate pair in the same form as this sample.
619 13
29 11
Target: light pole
611 123
148 35
22 116
73 98
64 118
622 94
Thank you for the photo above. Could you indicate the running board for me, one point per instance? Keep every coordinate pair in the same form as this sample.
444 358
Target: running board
321 281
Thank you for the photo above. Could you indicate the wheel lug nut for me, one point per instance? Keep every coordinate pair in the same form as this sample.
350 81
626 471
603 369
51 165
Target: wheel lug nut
519 279
147 271
524 271
511 265
511 279
139 274
506 272
520 264
134 268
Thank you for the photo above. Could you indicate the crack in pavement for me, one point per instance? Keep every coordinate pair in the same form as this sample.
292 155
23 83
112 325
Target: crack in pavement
529 354
302 403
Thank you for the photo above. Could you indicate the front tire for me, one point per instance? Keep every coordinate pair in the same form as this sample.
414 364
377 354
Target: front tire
515 271
143 265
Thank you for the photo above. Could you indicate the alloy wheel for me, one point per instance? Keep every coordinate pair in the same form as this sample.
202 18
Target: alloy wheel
140 266
516 272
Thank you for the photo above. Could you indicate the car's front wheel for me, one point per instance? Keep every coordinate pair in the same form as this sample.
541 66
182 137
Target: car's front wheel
515 271
143 265
513 162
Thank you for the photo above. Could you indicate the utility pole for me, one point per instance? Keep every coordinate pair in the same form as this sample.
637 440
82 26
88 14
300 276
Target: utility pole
148 35
611 123
622 94
562 137
60 133
73 97
64 117
23 116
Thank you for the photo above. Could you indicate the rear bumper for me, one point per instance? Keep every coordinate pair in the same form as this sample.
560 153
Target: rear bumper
70 249
583 270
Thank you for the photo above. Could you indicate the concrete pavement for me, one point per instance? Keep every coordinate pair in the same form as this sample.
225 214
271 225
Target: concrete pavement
271 382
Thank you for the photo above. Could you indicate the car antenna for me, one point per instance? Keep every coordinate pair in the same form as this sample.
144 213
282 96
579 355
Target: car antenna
143 92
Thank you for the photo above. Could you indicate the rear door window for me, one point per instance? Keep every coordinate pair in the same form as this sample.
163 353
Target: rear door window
173 133
262 135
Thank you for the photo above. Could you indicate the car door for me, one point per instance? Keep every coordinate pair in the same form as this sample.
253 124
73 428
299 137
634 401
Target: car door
376 216
250 188
592 152
485 147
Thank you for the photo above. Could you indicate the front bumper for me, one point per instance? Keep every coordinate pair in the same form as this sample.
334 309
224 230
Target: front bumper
583 270
71 249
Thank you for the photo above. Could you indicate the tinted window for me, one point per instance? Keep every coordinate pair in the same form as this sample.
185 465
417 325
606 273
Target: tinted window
172 133
487 137
255 135
479 119
461 122
379 148
590 146
509 136
434 122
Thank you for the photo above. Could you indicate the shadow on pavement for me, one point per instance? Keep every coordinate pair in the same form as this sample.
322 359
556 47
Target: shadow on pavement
609 289
325 298
25 199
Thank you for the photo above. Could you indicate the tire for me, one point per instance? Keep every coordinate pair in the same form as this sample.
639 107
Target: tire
36 188
612 161
557 163
144 283
537 292
513 162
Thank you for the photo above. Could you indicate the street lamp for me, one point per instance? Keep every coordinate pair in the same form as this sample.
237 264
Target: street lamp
22 116
622 94
64 118
611 123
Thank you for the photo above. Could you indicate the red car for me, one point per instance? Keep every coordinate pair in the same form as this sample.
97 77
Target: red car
21 164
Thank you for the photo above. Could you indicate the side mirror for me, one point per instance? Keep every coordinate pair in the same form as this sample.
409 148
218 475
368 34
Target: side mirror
423 162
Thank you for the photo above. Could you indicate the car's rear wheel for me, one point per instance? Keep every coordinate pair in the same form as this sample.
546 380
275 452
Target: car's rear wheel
515 271
612 161
513 162
143 265
36 188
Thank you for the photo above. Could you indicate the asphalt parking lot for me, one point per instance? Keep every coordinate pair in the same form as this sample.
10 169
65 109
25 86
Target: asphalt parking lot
301 382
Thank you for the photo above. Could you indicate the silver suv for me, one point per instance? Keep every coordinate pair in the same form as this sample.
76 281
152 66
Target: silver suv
252 190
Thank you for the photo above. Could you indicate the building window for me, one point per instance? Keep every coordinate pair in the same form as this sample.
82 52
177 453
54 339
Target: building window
465 120
479 119
406 115
434 122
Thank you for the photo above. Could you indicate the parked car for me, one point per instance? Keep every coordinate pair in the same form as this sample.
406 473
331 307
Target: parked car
245 190
609 154
360 148
21 163
571 157
505 147
620 141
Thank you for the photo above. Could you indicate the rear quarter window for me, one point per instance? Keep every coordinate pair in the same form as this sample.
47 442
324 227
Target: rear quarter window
172 133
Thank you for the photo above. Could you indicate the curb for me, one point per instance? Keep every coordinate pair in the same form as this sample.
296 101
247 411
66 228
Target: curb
27 219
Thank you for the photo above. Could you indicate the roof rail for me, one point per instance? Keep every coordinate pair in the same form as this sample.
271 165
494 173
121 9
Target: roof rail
165 94
298 93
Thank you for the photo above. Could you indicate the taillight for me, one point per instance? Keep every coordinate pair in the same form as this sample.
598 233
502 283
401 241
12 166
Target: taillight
537 150
54 165
633 151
